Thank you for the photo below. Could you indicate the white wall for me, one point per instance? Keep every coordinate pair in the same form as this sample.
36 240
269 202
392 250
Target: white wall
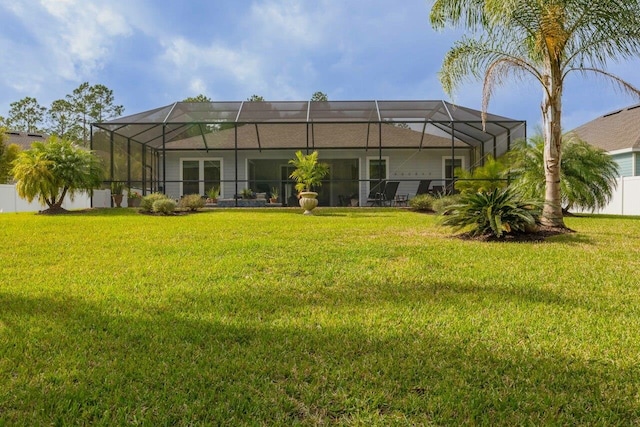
409 166
11 202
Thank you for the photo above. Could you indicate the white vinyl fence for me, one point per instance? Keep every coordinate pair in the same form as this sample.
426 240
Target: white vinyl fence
625 201
626 198
11 202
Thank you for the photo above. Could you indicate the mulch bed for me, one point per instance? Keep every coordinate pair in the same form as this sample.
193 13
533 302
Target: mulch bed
539 235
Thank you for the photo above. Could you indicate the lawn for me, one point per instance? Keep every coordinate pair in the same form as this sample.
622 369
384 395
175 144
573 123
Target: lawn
349 317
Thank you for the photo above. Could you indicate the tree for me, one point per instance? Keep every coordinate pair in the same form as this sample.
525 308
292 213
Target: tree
50 171
588 174
199 98
80 99
255 98
544 39
8 153
102 104
4 123
92 103
61 120
26 115
319 96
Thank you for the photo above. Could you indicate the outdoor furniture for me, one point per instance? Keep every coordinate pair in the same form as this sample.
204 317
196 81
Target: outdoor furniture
437 189
401 200
383 194
390 190
423 187
376 195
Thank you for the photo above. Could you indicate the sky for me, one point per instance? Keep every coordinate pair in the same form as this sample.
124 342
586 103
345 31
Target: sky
152 53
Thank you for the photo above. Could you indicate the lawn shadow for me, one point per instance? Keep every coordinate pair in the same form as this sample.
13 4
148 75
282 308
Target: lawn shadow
69 362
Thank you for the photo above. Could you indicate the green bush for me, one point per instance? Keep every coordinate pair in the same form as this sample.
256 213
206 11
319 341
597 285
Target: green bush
165 206
483 179
146 204
191 202
441 203
422 203
493 213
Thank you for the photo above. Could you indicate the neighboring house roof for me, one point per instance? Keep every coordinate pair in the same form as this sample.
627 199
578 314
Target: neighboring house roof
329 135
24 139
618 130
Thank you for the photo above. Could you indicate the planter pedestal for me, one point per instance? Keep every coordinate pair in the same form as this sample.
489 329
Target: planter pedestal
308 201
117 200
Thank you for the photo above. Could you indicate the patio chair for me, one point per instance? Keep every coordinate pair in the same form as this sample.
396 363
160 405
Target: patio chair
437 189
376 195
390 190
423 187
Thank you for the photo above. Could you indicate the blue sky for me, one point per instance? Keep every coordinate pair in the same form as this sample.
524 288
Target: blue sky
154 52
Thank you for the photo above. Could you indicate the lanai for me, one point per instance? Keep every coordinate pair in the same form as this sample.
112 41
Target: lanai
139 148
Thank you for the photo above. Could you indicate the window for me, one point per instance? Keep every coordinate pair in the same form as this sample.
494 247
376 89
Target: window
458 162
377 170
199 175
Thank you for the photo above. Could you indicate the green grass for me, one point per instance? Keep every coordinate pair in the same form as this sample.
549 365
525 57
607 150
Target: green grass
352 316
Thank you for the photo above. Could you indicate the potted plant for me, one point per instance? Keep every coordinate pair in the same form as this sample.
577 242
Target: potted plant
212 194
274 195
308 174
116 192
133 198
247 193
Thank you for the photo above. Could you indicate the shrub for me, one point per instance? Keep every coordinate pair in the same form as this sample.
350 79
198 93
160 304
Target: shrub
587 174
422 202
440 204
146 204
492 213
191 202
165 206
483 179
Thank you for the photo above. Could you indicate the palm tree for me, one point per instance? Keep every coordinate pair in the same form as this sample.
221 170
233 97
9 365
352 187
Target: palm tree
50 171
588 174
543 39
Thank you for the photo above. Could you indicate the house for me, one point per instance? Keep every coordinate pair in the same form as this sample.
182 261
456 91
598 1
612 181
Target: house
617 133
24 139
187 148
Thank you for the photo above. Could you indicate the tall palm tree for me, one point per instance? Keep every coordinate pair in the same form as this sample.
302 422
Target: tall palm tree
543 39
587 178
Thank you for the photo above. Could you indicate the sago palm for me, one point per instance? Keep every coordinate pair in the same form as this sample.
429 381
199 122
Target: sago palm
494 213
543 39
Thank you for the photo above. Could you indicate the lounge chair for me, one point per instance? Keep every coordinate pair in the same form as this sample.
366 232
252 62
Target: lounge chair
376 195
390 190
423 187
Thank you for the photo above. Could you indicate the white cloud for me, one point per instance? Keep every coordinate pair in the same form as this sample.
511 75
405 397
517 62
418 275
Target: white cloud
67 39
197 86
291 21
187 58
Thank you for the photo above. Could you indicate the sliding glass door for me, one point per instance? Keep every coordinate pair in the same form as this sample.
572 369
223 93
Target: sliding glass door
199 175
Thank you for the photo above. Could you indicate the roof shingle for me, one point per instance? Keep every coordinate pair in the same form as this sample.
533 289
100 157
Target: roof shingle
614 131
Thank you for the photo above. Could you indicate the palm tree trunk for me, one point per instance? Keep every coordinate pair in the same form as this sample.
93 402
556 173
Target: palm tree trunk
552 128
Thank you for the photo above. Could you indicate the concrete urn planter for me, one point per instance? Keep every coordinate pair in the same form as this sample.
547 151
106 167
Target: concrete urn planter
308 201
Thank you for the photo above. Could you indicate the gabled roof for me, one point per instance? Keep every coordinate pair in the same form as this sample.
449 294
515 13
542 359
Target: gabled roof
182 120
24 139
618 130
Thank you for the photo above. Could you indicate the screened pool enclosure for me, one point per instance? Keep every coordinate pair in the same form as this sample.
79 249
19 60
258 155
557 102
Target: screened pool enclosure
188 148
